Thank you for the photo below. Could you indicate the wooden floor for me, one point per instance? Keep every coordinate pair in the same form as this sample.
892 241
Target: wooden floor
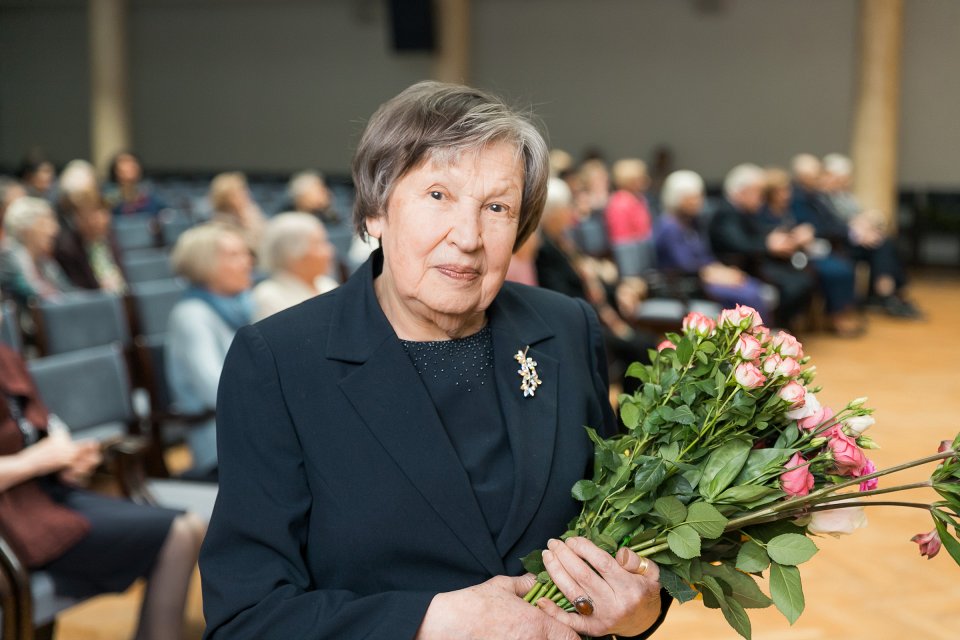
871 586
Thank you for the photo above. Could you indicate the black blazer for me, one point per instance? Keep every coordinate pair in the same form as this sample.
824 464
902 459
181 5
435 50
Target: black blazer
343 507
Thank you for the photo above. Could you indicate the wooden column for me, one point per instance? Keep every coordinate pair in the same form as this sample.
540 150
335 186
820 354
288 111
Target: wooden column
877 116
110 119
452 58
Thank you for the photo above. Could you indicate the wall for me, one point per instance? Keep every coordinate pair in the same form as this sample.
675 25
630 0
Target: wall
277 85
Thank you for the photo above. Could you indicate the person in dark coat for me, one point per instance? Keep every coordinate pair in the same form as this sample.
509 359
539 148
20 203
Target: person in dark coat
85 248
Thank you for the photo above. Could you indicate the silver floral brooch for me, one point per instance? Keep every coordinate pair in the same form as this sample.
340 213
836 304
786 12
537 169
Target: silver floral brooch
528 372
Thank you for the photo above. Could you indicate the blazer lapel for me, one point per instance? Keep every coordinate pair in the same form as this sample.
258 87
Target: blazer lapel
531 421
402 417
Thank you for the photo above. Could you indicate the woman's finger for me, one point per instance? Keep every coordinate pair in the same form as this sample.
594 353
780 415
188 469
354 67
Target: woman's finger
630 561
583 625
581 578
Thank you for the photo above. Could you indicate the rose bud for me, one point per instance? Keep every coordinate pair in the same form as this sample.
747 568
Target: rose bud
818 418
786 345
837 521
748 347
929 543
741 317
797 480
794 394
748 376
859 424
762 334
846 454
788 367
810 406
666 344
699 324
868 468
770 363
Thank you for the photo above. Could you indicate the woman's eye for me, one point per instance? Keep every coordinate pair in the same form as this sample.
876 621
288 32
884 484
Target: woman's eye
498 208
436 195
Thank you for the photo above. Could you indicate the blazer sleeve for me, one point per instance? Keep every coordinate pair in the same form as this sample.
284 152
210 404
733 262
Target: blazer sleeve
256 580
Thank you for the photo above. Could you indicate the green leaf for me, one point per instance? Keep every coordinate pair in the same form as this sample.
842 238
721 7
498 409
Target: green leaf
708 347
713 593
766 532
671 509
584 490
684 541
670 452
684 415
787 591
791 549
709 387
752 558
688 394
685 350
639 371
606 542
706 520
650 475
678 486
949 542
736 617
630 414
761 462
533 561
744 494
722 467
676 586
743 588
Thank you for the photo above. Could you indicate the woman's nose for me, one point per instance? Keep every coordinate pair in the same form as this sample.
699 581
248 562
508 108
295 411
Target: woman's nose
466 232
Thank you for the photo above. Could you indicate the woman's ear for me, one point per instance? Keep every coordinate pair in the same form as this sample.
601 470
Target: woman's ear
375 226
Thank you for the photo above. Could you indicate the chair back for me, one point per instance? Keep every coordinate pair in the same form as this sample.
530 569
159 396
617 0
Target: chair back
172 227
152 303
147 265
635 258
10 325
341 237
134 232
78 320
151 354
88 389
590 235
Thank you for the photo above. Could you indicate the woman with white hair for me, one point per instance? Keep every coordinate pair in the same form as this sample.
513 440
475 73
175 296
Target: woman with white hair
27 267
296 253
215 260
681 247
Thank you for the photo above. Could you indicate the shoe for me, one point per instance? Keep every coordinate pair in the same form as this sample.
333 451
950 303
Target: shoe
899 308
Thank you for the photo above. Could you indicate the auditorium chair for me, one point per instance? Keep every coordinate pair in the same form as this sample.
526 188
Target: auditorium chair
79 319
146 265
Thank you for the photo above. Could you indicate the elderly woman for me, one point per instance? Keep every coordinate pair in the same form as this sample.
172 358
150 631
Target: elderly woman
234 206
27 267
682 249
215 260
88 543
86 249
297 255
381 470
127 193
627 214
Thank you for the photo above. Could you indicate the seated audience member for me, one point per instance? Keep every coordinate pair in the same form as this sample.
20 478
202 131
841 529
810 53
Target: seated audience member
38 176
308 193
215 260
866 230
523 262
627 214
234 206
85 248
27 267
297 255
127 193
590 185
561 268
740 238
10 190
681 247
78 176
88 543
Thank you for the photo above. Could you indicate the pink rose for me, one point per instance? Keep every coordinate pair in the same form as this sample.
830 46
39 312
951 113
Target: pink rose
770 364
741 317
846 454
929 543
872 483
748 376
810 406
793 393
821 416
748 347
786 345
837 521
699 324
762 334
797 480
788 367
666 344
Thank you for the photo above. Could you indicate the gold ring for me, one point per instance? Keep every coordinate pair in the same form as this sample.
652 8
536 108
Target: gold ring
644 564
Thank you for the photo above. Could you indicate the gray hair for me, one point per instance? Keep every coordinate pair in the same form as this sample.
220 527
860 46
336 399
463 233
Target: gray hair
837 164
195 254
299 181
438 121
558 196
286 239
23 213
740 177
679 185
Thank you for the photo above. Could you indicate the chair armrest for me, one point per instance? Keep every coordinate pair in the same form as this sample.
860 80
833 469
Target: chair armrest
15 595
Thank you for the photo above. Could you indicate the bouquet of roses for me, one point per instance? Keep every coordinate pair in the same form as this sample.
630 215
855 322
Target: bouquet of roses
729 464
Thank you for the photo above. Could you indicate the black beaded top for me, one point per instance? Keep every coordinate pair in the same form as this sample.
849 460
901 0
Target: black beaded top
459 376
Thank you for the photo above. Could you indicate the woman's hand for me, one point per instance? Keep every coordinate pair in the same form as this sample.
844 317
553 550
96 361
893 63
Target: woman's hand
51 454
625 590
493 610
85 461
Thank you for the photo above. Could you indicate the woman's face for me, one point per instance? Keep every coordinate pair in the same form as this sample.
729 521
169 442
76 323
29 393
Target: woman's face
690 205
316 261
127 169
93 222
231 273
39 239
447 237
